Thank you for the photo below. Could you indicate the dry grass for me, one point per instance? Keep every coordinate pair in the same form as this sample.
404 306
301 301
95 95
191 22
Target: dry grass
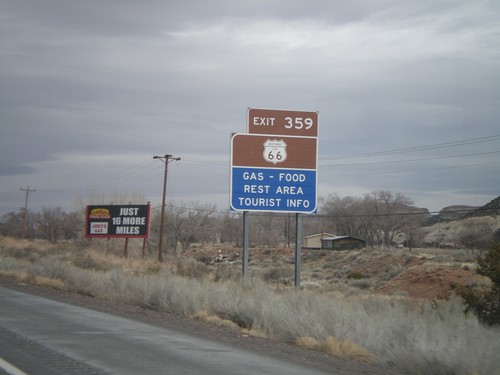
347 350
308 342
253 331
213 319
19 244
49 282
339 348
96 260
415 337
20 276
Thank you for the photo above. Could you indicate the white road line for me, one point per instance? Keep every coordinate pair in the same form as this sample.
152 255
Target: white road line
10 369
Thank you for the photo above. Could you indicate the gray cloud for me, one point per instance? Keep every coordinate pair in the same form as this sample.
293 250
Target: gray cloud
13 170
93 88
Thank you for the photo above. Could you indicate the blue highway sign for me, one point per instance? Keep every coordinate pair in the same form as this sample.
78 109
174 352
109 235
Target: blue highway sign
273 189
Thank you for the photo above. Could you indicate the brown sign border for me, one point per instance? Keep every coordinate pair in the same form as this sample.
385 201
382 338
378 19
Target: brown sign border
247 150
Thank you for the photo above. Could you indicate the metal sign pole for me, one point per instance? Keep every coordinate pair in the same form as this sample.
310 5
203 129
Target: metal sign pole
298 249
245 250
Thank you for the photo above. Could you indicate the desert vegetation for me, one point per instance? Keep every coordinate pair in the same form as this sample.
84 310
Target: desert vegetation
381 218
486 303
422 297
354 305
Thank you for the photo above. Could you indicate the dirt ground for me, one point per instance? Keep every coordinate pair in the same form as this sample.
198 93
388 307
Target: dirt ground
433 282
419 273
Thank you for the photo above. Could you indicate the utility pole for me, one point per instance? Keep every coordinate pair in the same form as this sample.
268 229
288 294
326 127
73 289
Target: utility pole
165 159
25 216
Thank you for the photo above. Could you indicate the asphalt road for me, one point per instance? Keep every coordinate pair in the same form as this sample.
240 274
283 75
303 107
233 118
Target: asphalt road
42 336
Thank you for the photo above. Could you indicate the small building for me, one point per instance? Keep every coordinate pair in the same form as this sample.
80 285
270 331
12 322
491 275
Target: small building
314 241
341 243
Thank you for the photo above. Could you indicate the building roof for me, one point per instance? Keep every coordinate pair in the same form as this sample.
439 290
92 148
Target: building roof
320 234
334 238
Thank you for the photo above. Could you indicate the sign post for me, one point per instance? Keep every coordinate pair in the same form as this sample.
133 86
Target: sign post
274 166
298 249
245 250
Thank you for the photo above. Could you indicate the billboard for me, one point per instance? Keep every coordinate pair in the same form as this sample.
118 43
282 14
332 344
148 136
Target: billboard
127 221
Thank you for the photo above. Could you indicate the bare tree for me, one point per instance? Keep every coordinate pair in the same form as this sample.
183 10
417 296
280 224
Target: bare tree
343 214
392 213
50 221
73 225
12 223
349 216
190 223
479 235
231 229
377 218
265 229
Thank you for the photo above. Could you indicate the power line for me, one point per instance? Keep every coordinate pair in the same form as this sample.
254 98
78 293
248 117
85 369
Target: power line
327 215
403 213
417 148
413 171
138 171
128 174
114 178
413 160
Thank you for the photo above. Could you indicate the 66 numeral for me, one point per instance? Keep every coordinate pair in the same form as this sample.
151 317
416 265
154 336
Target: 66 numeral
298 123
277 156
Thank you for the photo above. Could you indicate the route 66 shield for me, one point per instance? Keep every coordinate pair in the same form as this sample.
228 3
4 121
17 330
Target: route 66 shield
275 151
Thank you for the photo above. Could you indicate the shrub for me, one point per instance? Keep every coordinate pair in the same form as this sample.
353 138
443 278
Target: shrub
392 272
490 265
19 253
226 271
486 303
50 267
87 262
204 258
360 283
276 273
355 275
192 268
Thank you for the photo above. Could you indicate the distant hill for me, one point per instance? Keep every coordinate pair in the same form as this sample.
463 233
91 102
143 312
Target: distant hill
459 212
490 209
456 212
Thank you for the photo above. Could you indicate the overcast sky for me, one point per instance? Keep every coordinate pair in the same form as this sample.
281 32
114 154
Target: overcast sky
408 95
